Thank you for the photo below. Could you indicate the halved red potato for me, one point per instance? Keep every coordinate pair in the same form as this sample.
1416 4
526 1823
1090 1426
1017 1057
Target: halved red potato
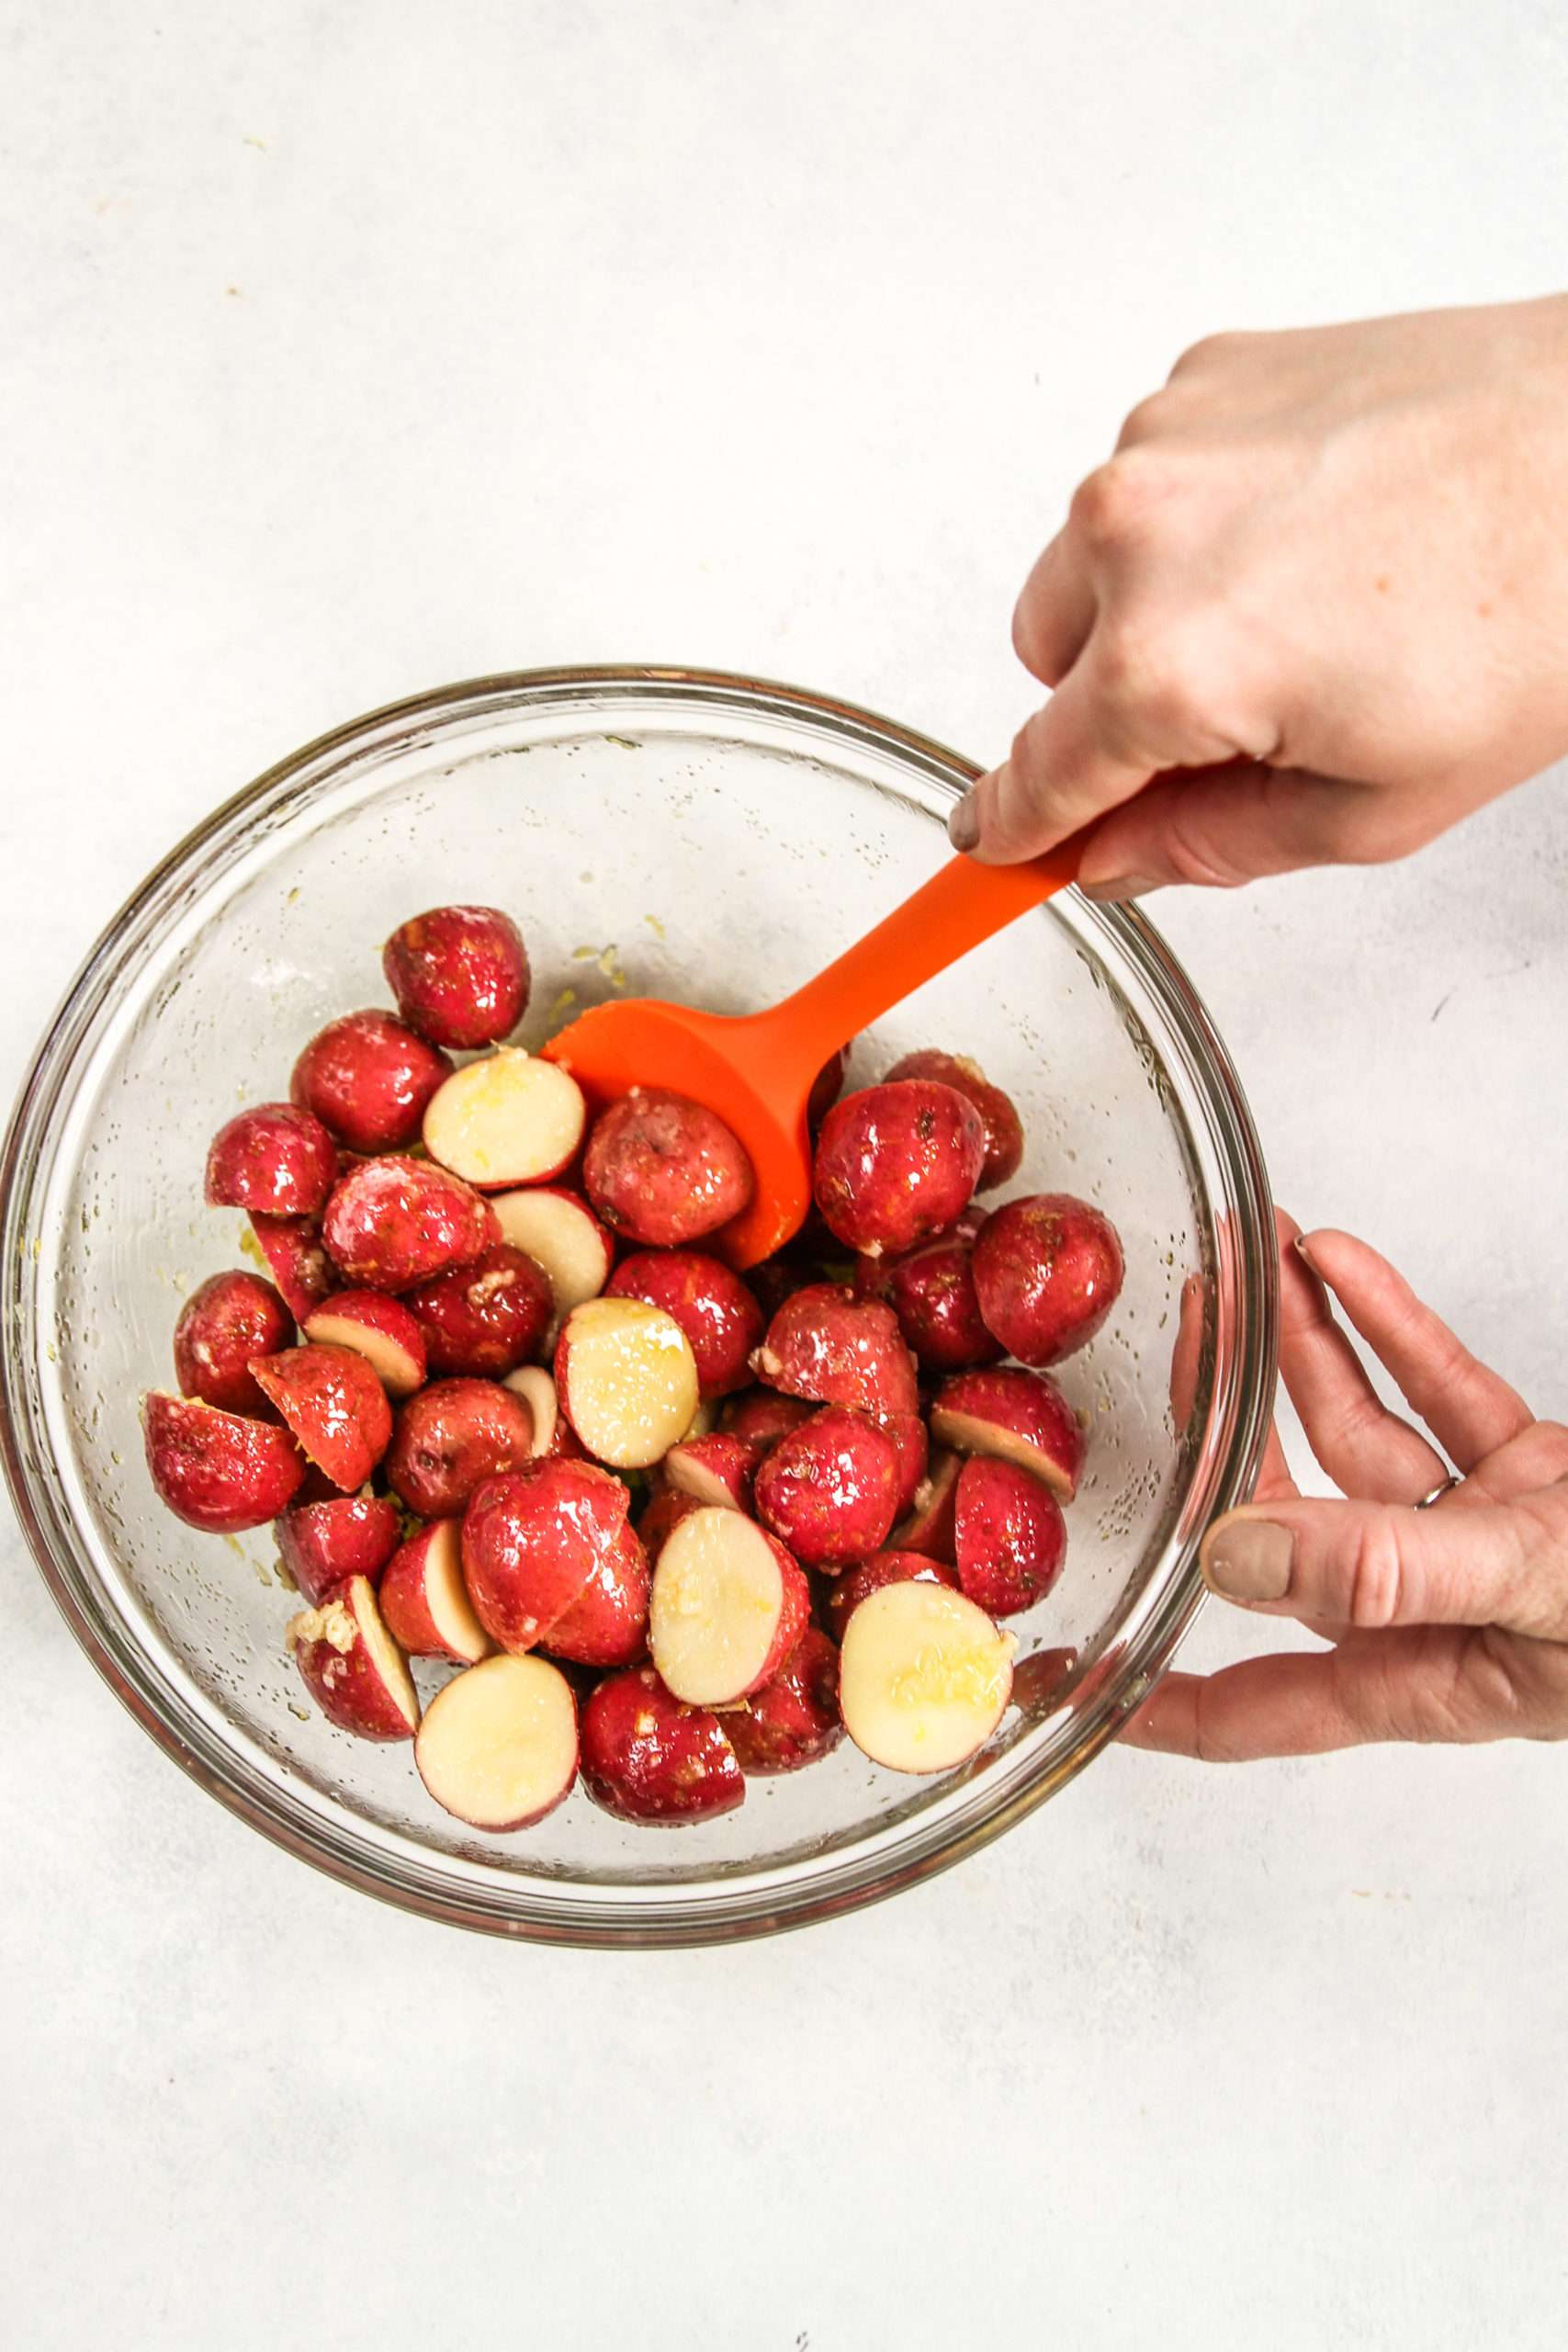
450 1438
532 1538
826 1344
997 1112
273 1159
794 1719
627 1380
717 1469
607 1623
394 1222
296 1259
335 1407
727 1606
912 1446
846 1592
929 1528
321 1545
1010 1536
507 1119
931 1290
662 1169
762 1416
424 1601
498 1745
661 1516
379 1328
553 1433
829 1491
1022 1416
826 1087
482 1319
924 1677
227 1320
459 974
221 1472
367 1078
560 1233
352 1667
646 1757
1047 1272
712 1304
896 1164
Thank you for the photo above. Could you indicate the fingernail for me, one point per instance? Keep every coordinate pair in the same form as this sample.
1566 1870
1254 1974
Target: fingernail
964 825
1119 886
1248 1559
1305 1254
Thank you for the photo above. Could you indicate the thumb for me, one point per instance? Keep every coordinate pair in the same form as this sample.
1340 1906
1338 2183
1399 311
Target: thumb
1372 1564
1223 825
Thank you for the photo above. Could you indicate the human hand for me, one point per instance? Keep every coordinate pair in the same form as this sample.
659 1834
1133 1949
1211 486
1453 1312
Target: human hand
1448 1623
1324 580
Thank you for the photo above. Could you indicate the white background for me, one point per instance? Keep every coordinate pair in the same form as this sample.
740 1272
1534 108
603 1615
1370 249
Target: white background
350 349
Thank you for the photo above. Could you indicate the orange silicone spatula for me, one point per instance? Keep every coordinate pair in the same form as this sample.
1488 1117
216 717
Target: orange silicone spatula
755 1070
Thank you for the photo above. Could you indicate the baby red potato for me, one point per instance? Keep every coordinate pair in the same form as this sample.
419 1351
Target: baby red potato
727 1606
367 1078
931 1292
794 1719
335 1407
498 1745
296 1259
452 1437
459 974
647 1758
662 1169
223 1324
1010 1535
718 1313
560 1232
218 1471
929 1529
481 1319
321 1545
826 1088
846 1592
352 1667
999 1116
274 1159
607 1623
532 1540
394 1222
912 1446
717 1469
924 1677
762 1416
829 1491
896 1164
554 1437
826 1344
1021 1416
627 1380
663 1515
506 1119
379 1328
1047 1272
424 1601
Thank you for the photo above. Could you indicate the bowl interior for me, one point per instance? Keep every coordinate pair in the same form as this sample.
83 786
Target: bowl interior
664 838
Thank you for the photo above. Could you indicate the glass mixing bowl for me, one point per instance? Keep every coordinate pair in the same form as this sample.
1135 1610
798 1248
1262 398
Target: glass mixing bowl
676 833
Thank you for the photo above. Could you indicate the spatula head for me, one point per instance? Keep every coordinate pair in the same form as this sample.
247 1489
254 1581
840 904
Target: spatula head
734 1067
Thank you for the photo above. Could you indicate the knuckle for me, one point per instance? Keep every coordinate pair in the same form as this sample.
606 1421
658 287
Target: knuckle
1110 505
1210 351
1376 1592
1152 677
1146 421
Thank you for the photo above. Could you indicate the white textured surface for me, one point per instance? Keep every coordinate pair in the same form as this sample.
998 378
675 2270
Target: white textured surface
354 349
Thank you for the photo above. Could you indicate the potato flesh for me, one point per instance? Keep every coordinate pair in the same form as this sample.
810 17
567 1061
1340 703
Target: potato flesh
924 1677
562 1237
630 1380
508 1119
498 1745
717 1595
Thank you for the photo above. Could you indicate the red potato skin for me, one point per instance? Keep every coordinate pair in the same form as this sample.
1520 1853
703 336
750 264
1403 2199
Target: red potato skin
1010 1533
931 1292
376 1310
661 1168
646 1757
405 1607
1028 1404
459 974
997 1112
896 1164
829 1491
826 1344
483 1319
322 1545
275 1160
394 1222
1047 1272
335 1407
450 1438
794 1719
662 1516
367 1078
218 1471
912 1446
296 1261
723 1456
759 1417
844 1597
607 1623
826 1088
929 1528
532 1540
231 1317
345 1683
718 1313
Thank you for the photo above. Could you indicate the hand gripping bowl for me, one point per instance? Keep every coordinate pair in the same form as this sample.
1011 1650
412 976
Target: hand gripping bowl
683 834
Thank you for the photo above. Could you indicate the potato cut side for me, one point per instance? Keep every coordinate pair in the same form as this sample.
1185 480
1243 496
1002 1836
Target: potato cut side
973 1433
626 1376
507 1119
498 1745
538 1390
447 1596
924 1678
715 1608
399 1372
561 1235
